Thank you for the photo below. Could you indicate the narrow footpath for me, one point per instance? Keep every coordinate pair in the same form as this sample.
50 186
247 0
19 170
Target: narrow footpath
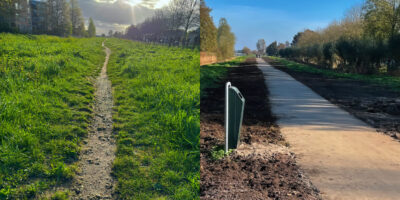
344 157
94 181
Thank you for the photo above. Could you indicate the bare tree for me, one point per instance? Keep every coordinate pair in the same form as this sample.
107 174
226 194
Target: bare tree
261 46
184 15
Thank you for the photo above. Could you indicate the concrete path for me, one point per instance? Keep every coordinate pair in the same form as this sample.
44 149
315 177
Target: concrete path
343 156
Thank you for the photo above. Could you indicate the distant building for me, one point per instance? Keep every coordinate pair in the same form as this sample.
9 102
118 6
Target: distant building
23 17
194 38
30 16
38 13
239 53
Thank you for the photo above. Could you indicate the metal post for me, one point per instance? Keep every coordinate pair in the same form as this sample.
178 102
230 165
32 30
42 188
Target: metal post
228 85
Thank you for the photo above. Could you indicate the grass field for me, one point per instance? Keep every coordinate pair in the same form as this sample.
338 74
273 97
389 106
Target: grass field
392 81
210 74
46 94
157 111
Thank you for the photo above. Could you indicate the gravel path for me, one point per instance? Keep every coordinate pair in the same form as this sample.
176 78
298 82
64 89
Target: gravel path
344 157
94 181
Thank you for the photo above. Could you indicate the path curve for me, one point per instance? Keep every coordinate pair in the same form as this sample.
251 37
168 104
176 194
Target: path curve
94 181
344 157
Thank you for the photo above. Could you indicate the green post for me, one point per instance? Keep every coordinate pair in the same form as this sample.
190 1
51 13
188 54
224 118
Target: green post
234 108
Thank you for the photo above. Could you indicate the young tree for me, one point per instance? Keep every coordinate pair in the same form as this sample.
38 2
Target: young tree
208 33
76 19
110 32
92 28
225 39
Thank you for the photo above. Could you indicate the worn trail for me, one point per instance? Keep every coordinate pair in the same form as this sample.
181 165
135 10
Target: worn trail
344 157
94 181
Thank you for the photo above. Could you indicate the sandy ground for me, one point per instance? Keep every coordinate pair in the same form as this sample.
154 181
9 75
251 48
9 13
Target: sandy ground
344 157
94 181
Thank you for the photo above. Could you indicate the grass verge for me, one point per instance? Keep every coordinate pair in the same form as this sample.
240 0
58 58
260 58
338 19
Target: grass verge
391 81
157 120
46 94
211 74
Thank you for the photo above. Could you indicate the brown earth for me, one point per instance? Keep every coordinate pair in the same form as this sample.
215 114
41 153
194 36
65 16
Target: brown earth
262 167
94 180
377 105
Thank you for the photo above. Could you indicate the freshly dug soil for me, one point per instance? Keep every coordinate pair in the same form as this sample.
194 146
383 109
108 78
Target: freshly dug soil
376 105
262 167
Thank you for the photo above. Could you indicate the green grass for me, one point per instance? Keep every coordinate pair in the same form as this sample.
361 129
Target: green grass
234 62
157 118
46 93
391 81
210 75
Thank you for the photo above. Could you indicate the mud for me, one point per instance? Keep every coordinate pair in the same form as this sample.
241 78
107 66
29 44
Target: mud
94 180
377 105
262 167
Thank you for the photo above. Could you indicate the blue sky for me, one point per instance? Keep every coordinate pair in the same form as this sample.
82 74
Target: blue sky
278 20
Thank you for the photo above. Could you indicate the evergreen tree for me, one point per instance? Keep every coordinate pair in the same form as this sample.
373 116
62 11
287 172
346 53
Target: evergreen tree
81 31
91 29
272 49
58 18
76 19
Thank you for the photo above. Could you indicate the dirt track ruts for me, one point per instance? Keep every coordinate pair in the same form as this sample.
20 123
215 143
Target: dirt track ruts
94 180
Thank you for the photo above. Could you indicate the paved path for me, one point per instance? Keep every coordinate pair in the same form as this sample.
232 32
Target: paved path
343 156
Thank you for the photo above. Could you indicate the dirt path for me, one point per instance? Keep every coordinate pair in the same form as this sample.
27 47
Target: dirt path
343 156
94 181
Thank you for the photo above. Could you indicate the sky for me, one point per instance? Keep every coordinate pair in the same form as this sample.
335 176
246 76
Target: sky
276 20
116 15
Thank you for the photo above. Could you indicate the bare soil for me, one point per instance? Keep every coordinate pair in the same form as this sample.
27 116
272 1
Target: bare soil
377 105
94 181
262 167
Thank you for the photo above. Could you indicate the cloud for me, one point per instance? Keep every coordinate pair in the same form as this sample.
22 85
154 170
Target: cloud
118 14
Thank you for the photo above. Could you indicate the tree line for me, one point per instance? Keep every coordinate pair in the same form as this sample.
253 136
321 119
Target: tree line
178 24
221 40
366 41
53 17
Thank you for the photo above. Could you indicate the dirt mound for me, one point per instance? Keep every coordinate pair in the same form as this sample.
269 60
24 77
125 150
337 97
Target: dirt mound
262 167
